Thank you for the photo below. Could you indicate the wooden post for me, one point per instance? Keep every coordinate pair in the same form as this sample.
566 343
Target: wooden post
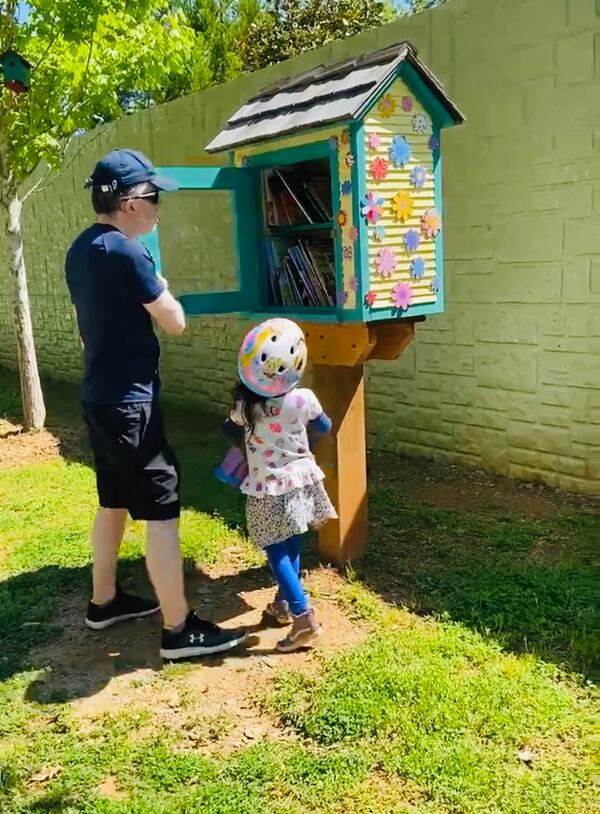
343 457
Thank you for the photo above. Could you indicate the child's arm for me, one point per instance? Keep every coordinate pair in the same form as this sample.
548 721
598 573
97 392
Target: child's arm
317 428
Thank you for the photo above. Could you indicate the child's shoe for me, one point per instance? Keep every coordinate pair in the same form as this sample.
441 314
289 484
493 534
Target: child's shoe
278 612
305 630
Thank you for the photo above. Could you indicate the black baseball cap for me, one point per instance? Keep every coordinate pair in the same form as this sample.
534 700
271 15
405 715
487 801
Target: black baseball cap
121 169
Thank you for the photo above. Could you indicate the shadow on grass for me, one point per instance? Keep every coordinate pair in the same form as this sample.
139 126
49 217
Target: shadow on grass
530 583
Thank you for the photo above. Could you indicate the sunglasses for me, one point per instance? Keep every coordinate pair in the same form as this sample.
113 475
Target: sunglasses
153 197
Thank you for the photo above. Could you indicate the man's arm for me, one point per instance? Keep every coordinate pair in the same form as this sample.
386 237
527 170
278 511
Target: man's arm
167 312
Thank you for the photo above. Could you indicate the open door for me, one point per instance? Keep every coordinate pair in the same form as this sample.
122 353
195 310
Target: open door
209 230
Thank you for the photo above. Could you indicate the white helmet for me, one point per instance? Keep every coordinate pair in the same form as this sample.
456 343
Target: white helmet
273 358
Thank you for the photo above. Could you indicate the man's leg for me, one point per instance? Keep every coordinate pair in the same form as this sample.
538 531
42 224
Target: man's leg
165 567
107 533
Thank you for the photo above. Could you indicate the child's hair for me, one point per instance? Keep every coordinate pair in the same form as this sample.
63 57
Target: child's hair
249 401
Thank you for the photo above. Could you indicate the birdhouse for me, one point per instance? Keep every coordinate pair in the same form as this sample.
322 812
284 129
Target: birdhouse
15 71
336 182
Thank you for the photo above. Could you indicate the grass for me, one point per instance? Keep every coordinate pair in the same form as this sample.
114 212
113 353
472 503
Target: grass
480 635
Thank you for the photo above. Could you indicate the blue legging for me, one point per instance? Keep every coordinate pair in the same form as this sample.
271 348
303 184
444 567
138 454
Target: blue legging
284 559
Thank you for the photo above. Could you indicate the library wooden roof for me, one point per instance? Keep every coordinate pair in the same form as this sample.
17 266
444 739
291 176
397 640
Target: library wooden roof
324 95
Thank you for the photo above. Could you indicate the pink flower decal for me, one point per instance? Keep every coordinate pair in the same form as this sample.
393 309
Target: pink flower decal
370 298
374 141
354 283
407 103
386 262
402 296
431 223
379 168
353 233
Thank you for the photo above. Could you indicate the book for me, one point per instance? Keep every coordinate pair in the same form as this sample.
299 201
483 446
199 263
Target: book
301 272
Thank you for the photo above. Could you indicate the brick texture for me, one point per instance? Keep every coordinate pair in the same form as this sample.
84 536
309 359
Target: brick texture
509 377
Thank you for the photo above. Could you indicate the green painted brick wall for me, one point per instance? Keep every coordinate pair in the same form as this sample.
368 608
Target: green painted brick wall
509 377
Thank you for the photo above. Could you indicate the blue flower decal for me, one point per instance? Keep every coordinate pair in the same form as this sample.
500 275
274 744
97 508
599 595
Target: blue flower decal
418 177
333 144
245 161
412 240
400 151
379 232
434 144
435 285
346 187
417 268
341 298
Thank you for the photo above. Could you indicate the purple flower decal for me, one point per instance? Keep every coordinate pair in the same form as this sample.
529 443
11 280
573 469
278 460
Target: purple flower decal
354 283
346 187
402 296
374 140
407 103
419 177
400 151
433 144
412 240
417 268
342 298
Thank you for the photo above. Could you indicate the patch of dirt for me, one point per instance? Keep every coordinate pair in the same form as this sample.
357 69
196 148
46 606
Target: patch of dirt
452 486
18 448
210 704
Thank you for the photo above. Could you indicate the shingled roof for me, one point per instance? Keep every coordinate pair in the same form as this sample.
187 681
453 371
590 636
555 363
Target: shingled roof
323 95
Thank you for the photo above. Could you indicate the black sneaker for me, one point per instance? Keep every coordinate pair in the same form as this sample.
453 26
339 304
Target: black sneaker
124 606
199 638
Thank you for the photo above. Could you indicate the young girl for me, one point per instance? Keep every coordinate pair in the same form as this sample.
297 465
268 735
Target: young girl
273 420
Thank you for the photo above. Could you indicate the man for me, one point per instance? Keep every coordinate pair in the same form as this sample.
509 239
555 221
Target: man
116 294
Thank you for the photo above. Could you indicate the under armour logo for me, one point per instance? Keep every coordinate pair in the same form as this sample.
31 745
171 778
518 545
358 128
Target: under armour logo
196 639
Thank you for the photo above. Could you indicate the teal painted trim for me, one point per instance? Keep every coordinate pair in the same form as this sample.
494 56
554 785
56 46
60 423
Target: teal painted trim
380 314
152 243
218 302
359 190
437 111
291 155
334 175
308 227
439 240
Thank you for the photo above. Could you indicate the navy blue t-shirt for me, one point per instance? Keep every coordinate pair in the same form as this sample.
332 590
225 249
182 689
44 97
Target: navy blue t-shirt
110 277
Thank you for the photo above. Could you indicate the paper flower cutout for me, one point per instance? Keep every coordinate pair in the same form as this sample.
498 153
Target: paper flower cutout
387 106
374 141
370 207
379 168
421 123
407 103
347 252
379 232
412 240
433 144
402 206
350 159
402 296
435 285
353 233
245 162
333 144
370 298
354 283
342 218
386 262
346 187
419 177
341 298
417 268
400 151
431 223
345 136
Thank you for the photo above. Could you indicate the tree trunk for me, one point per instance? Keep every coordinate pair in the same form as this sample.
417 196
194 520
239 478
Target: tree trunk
34 409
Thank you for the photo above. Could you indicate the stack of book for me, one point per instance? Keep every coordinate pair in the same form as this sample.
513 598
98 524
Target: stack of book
294 197
301 273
